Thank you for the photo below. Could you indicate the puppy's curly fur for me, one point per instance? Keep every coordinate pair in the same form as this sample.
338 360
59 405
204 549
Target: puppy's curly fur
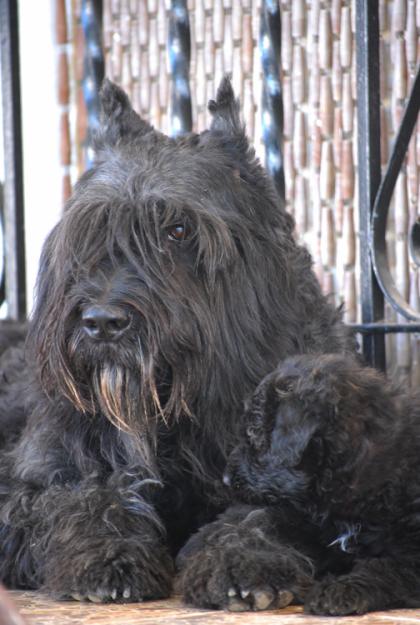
331 458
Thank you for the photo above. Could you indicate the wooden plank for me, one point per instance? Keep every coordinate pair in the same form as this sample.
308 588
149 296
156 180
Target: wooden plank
40 610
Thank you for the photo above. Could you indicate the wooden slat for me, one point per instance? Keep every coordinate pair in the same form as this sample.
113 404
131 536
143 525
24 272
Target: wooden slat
40 610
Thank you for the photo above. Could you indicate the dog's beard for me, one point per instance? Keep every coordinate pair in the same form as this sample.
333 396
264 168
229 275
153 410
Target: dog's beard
120 396
134 388
129 397
117 395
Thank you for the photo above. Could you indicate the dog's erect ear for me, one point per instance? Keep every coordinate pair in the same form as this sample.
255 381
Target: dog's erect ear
225 110
118 118
226 121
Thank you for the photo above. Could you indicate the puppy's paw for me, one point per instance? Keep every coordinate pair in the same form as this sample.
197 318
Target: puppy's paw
240 568
231 582
338 597
112 573
259 598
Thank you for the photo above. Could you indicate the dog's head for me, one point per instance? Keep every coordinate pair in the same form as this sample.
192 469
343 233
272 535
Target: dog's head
162 270
312 431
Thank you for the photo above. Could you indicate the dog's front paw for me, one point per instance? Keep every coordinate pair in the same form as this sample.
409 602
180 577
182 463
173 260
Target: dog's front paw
240 568
236 582
338 597
230 581
114 572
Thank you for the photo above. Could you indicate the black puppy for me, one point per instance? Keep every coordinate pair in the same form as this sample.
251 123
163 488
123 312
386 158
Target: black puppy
336 447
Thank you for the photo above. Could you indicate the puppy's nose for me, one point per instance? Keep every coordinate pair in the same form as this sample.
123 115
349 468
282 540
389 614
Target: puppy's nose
105 322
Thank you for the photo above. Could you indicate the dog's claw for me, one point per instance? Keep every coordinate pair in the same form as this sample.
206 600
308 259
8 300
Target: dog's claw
94 598
77 597
262 599
114 594
237 605
244 594
284 598
231 592
105 594
127 593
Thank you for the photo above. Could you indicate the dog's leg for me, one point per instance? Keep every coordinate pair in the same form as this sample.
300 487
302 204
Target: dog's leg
240 562
89 541
373 584
76 511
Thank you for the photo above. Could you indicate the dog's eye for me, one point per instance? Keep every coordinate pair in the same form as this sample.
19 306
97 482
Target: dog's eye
177 233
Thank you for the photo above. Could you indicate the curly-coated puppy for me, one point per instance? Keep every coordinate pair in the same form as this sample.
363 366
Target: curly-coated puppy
332 450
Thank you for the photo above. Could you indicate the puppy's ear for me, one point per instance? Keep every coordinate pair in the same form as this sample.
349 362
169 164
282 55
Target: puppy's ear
292 444
118 118
327 385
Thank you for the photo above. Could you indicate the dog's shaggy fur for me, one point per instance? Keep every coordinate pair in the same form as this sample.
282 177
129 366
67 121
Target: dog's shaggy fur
12 382
170 287
331 457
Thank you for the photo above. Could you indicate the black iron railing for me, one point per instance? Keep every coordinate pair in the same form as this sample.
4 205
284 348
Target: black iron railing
369 156
93 66
179 50
377 284
13 283
272 100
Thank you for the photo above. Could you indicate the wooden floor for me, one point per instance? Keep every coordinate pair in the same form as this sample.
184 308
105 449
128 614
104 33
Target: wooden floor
39 610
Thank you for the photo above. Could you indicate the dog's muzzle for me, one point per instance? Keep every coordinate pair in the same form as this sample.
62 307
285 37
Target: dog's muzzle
105 323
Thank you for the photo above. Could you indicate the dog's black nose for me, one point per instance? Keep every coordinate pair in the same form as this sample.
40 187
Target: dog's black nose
105 322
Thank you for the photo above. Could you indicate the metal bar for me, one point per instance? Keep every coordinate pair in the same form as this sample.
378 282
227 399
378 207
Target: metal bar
3 249
383 199
415 240
369 165
93 67
14 229
272 100
179 51
385 328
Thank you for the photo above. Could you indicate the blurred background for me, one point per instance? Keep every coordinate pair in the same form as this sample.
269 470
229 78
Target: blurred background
295 55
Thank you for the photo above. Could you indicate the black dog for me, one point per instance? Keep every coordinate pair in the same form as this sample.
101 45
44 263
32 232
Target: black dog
333 449
167 291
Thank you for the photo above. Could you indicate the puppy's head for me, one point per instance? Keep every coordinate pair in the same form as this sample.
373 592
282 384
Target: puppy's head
311 429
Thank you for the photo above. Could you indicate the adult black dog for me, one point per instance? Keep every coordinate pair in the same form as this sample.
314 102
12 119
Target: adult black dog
331 455
170 287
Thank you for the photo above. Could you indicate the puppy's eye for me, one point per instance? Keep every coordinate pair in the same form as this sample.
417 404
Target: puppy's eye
177 233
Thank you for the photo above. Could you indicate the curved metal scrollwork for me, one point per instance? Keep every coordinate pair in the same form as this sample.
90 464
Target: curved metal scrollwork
179 50
272 101
380 210
93 74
